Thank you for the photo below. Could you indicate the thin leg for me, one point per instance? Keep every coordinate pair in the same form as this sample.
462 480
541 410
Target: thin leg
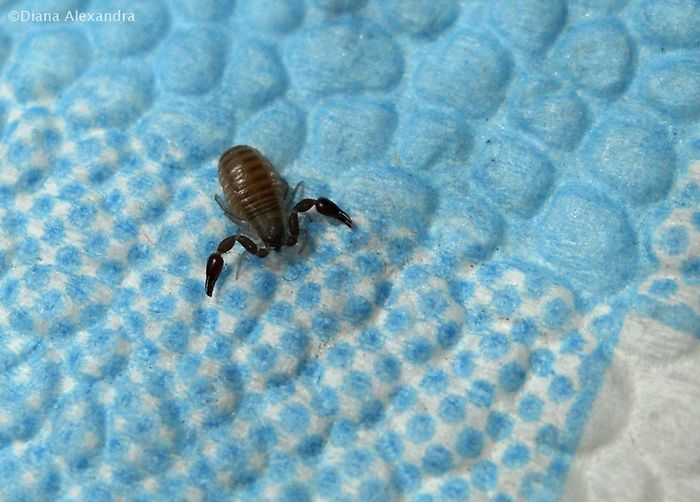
324 206
224 207
238 265
289 196
304 238
215 263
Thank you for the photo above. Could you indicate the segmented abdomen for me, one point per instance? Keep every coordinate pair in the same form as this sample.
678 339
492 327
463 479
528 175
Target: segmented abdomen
251 185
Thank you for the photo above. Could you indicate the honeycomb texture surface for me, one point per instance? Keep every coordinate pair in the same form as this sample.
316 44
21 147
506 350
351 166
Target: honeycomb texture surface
514 316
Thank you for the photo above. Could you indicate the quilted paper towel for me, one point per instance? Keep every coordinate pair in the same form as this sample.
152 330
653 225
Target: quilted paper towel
515 316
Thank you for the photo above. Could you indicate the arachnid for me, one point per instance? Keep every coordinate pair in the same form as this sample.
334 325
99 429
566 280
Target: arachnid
257 198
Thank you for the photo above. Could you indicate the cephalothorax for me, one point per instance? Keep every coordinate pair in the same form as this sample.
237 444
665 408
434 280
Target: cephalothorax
257 198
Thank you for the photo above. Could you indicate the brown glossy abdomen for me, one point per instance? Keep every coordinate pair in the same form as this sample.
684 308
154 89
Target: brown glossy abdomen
253 191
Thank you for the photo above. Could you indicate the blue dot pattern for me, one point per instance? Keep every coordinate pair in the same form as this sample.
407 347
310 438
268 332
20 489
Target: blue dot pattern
448 347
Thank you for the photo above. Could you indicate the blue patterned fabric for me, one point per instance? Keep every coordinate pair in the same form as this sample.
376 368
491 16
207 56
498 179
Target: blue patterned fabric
521 179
